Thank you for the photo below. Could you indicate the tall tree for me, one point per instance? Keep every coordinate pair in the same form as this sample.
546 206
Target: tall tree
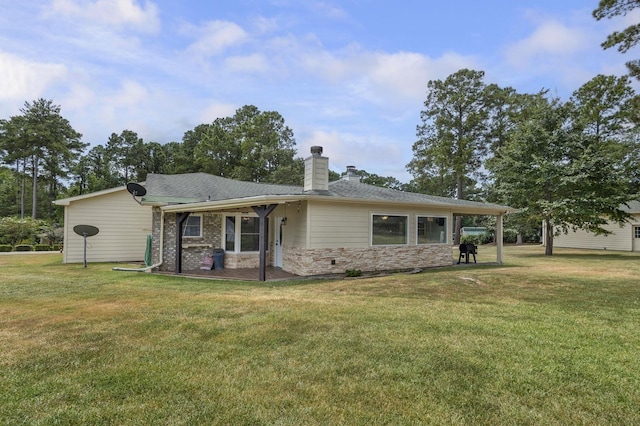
125 150
603 107
182 156
8 192
41 134
14 152
251 146
625 39
151 159
95 171
555 173
453 134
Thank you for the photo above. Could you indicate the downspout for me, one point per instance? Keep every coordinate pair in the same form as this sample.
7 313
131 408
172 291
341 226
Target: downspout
149 268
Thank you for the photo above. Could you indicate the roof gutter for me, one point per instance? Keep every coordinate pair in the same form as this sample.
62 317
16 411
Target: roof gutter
233 203
282 199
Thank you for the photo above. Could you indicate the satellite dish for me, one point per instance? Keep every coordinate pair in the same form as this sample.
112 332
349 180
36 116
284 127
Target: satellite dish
136 190
85 231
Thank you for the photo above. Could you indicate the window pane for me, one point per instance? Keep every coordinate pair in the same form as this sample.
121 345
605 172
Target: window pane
250 234
432 230
389 230
230 239
192 227
250 242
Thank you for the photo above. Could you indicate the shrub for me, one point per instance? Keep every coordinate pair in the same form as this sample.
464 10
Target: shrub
486 238
56 247
24 247
510 236
470 239
16 231
42 247
6 247
353 273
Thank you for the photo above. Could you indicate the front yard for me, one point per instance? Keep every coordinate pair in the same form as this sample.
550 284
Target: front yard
536 341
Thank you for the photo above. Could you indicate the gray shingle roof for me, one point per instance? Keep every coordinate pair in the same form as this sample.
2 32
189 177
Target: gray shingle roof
198 187
194 187
357 190
633 207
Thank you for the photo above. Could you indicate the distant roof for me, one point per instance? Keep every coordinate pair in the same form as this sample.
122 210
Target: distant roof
203 187
632 207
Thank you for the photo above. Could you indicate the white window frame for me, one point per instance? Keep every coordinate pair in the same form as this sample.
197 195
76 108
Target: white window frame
184 226
446 228
406 230
238 231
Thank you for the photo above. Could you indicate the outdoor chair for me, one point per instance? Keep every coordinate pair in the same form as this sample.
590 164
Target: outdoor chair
467 250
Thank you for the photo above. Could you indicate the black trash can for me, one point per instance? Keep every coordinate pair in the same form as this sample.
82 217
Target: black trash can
218 258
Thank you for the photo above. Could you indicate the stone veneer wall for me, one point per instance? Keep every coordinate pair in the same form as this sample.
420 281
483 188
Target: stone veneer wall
191 256
384 258
247 260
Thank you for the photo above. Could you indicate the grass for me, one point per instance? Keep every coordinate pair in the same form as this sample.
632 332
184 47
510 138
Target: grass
536 341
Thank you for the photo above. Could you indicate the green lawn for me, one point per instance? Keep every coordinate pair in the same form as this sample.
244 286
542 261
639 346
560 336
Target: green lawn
536 341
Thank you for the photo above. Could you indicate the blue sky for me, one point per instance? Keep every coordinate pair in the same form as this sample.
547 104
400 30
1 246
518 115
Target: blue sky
349 75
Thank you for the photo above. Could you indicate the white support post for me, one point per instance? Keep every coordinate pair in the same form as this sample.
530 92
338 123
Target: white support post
499 238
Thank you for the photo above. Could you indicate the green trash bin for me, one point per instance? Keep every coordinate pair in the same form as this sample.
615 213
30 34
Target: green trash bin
218 258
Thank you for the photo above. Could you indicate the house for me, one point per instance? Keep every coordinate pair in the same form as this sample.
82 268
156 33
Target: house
123 226
622 238
320 228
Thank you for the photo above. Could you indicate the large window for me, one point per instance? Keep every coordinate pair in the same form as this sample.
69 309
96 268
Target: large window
192 227
389 230
243 232
432 230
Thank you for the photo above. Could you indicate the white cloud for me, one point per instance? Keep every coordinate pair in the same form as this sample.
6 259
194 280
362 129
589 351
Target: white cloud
217 110
131 95
404 75
215 37
363 151
130 100
21 79
381 77
79 97
549 39
331 142
247 64
265 25
121 13
329 10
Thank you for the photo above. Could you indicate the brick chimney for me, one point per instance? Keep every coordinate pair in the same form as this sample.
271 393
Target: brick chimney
316 171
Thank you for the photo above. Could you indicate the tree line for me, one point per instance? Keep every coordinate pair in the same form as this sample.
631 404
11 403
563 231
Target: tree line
44 158
570 164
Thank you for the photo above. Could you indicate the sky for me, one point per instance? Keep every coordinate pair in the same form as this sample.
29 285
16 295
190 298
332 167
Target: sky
350 75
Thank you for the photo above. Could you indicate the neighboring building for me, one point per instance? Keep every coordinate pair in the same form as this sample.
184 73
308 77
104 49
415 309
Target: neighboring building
123 226
323 227
473 230
622 238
